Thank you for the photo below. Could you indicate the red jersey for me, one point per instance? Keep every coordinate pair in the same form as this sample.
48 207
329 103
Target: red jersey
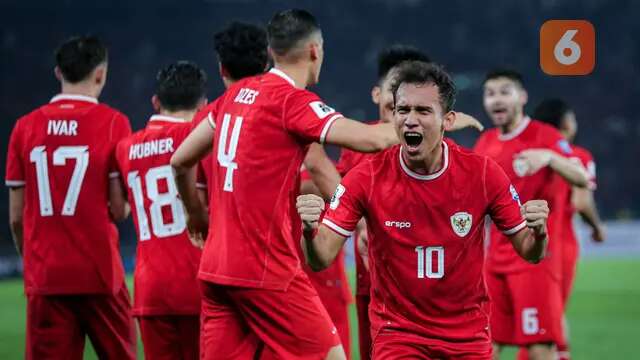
543 185
426 238
63 154
264 125
165 277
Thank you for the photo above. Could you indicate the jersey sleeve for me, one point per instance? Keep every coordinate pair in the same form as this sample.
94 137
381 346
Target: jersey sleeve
348 202
307 116
587 161
555 141
15 172
345 162
121 129
208 113
503 199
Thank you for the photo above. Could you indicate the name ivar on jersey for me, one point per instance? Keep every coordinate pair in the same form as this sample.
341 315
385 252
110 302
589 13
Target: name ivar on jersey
150 148
62 127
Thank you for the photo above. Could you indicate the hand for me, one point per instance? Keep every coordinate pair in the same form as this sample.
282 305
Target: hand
464 121
536 213
598 234
534 160
310 208
197 228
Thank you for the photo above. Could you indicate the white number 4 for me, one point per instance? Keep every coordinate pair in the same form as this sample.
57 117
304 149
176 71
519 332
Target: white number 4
530 324
226 158
566 42
38 156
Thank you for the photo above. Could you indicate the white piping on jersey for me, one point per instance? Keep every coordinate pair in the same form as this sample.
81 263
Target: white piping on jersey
333 226
60 97
515 229
283 75
327 126
114 175
14 183
158 117
210 121
517 131
430 176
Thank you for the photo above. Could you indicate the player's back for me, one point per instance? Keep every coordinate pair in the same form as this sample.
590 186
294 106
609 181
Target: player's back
263 127
63 153
166 261
543 185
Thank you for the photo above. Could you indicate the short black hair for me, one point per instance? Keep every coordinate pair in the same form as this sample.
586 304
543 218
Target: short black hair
510 74
242 49
180 86
79 56
419 72
286 28
551 111
395 54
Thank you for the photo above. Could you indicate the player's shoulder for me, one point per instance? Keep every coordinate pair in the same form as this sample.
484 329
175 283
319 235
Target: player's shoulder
581 151
488 136
542 129
465 158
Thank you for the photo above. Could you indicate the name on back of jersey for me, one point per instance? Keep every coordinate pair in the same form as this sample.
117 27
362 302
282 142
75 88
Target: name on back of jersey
246 96
151 148
62 127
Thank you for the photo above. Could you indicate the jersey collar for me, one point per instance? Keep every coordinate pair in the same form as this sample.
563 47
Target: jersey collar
517 131
158 117
281 73
415 175
61 97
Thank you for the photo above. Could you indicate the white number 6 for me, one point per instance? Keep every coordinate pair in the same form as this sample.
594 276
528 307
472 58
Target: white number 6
566 42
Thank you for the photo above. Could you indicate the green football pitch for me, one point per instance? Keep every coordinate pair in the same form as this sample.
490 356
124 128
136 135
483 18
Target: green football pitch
604 313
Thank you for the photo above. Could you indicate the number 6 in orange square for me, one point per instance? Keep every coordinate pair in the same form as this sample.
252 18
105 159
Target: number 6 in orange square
567 47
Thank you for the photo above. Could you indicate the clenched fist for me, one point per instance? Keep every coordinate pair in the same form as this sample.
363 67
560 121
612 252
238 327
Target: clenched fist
536 213
310 207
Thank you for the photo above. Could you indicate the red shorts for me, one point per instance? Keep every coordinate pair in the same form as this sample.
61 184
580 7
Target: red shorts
364 326
238 323
170 337
338 310
526 307
57 326
392 344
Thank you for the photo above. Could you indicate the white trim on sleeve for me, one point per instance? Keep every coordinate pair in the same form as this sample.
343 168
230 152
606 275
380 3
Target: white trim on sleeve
14 183
114 175
331 225
210 120
515 229
327 126
200 185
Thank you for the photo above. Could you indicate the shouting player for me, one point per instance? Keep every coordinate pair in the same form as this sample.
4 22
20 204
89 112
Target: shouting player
526 300
255 296
65 193
167 298
557 113
425 203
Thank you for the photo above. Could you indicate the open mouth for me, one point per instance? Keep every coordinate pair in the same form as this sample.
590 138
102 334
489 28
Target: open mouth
413 139
499 111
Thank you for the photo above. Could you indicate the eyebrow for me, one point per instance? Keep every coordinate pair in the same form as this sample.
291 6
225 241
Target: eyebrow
417 107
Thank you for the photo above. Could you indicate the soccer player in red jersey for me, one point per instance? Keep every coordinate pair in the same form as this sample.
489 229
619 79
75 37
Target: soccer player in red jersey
557 113
526 300
167 297
255 295
65 193
425 203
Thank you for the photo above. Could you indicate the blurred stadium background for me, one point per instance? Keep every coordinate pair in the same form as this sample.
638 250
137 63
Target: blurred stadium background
468 37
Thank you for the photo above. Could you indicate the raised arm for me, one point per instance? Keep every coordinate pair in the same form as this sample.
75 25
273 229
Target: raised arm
183 162
572 172
531 242
320 245
361 137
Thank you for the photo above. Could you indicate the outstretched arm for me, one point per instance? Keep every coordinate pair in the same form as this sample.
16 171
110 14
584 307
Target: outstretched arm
573 172
361 137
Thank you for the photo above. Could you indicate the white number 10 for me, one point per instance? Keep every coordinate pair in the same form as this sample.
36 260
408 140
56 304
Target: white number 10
226 158
427 267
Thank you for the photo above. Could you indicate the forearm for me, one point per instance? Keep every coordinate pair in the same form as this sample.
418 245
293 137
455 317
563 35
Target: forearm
360 137
185 179
16 233
589 212
533 247
318 250
322 171
575 174
16 207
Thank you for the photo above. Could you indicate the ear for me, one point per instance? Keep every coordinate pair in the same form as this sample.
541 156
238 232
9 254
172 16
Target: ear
100 74
313 51
375 94
524 96
448 120
58 73
202 103
223 71
155 102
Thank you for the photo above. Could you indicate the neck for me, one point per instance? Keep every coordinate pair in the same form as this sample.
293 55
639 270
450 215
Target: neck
512 125
299 74
431 163
81 88
187 115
